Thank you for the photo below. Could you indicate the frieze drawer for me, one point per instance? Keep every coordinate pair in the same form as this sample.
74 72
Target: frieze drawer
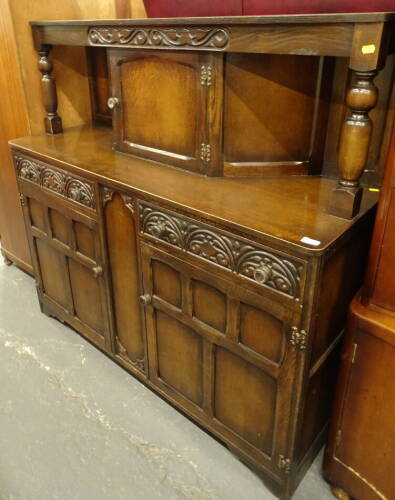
273 270
57 181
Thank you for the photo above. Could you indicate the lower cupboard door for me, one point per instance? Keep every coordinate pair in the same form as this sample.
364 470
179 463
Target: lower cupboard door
72 291
217 352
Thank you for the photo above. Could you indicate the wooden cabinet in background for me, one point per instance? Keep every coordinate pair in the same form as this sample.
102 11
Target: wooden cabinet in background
360 455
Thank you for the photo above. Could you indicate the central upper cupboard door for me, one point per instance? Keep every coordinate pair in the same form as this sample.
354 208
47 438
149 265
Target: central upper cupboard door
167 107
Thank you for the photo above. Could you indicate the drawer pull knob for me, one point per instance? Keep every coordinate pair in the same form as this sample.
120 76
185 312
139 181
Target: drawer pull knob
97 271
262 274
145 300
113 102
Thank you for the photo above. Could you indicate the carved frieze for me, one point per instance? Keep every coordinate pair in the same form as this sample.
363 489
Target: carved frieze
108 194
55 180
237 256
177 37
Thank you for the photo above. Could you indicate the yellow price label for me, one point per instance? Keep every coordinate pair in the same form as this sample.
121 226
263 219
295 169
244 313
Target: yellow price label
368 49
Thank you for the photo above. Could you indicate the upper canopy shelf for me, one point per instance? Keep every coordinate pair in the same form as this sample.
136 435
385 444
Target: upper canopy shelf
357 35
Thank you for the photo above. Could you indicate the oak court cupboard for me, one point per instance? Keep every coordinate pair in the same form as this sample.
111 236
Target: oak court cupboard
195 241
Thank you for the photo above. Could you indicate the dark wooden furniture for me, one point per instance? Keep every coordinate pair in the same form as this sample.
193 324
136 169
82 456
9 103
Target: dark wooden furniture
224 283
13 123
360 456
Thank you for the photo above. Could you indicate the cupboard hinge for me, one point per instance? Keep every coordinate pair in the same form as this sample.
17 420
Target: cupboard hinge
284 464
298 338
338 437
206 73
22 199
205 152
354 353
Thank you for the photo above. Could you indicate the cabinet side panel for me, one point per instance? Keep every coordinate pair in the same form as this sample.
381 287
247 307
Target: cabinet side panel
122 249
318 403
342 275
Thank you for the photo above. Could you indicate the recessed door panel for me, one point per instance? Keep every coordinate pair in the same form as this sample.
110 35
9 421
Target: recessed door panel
160 99
36 213
180 358
86 296
60 226
245 399
53 273
166 283
262 332
84 240
209 305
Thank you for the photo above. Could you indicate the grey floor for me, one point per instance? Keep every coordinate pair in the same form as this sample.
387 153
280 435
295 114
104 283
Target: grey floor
74 425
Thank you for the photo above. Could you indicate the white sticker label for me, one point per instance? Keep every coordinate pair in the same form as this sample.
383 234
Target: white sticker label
310 241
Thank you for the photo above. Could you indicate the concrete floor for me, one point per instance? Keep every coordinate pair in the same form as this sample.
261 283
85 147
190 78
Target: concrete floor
74 425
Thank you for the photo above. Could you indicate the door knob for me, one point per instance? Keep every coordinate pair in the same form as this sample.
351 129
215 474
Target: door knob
145 300
97 271
262 274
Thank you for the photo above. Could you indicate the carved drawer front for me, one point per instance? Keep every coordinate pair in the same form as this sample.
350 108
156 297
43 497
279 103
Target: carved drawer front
222 353
166 107
56 181
264 267
68 262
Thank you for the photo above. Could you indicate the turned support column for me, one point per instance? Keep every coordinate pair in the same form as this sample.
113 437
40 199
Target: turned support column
53 122
354 145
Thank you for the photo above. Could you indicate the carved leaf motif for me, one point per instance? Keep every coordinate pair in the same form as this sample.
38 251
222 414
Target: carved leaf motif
228 252
129 202
162 226
79 191
156 37
55 180
107 194
28 170
210 246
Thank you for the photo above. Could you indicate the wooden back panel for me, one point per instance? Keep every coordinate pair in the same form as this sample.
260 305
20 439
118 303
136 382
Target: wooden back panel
270 112
99 83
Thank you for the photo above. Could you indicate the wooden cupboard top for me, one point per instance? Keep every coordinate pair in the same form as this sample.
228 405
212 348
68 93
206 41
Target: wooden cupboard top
359 36
287 209
364 17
